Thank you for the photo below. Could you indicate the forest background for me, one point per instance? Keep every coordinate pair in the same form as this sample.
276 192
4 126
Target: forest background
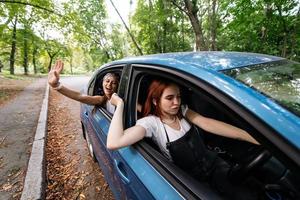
89 39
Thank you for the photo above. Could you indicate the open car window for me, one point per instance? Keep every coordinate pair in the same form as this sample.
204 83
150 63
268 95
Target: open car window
270 168
96 86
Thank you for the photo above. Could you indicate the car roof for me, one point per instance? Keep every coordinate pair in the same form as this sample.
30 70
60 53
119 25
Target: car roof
213 60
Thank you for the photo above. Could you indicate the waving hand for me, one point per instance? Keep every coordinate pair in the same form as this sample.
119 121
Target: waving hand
53 76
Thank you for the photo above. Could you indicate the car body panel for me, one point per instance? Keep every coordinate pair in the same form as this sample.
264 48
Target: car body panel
152 180
92 127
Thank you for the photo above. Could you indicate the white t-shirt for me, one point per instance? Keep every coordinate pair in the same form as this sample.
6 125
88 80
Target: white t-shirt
155 129
109 107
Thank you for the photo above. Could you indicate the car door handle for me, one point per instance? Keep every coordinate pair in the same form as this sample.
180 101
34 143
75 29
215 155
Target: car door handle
121 171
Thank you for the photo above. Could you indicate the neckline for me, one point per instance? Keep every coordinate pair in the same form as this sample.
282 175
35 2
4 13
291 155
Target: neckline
173 121
180 127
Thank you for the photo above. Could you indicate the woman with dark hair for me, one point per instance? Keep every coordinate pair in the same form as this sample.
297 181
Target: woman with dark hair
110 85
172 127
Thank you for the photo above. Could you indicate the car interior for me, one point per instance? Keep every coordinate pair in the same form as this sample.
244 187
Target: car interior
255 166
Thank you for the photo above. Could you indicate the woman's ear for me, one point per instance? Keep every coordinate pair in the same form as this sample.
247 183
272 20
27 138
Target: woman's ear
154 101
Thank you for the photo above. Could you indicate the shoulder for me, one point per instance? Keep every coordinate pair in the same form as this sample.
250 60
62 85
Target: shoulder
150 123
147 120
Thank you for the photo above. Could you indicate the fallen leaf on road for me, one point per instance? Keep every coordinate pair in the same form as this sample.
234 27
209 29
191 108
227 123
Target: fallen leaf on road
6 186
81 196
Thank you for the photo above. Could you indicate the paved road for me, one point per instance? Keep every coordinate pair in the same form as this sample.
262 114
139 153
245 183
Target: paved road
18 120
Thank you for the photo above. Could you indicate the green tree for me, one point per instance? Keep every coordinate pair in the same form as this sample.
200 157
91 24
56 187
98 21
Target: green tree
15 15
54 49
195 10
263 26
160 28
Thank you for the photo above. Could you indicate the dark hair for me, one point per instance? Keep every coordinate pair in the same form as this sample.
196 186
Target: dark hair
115 75
155 92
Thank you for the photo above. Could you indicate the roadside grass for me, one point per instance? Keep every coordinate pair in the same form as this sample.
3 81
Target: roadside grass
6 74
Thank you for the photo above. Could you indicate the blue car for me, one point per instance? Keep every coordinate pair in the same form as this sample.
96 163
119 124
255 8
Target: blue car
258 93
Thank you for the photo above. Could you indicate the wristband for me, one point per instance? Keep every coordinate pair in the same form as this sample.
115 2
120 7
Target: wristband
58 86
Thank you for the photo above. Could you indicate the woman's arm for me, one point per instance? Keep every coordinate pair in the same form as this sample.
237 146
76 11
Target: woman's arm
218 127
87 99
117 136
53 80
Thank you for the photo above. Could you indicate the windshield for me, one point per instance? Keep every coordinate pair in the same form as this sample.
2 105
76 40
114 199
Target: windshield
279 80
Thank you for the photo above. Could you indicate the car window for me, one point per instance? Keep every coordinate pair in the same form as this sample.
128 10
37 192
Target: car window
279 80
96 85
149 149
98 88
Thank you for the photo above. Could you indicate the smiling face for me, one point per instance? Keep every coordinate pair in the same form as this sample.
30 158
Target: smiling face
110 84
170 101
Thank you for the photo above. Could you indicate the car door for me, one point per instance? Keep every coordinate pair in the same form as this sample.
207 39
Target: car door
114 164
97 121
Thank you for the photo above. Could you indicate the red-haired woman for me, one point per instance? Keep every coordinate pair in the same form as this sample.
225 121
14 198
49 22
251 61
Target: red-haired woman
171 126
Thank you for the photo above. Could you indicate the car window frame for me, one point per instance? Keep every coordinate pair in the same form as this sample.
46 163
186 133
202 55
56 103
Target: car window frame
139 69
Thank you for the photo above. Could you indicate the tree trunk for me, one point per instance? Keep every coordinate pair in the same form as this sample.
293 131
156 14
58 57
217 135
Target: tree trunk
128 31
213 28
71 64
198 32
1 66
50 63
13 48
191 11
51 56
182 33
34 52
285 31
25 59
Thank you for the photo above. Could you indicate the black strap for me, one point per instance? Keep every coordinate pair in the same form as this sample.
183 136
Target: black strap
165 131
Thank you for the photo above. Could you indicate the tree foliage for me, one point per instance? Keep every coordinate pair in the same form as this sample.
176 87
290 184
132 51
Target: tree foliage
270 27
160 28
87 39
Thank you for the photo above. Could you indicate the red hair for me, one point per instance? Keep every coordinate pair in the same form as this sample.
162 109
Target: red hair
155 92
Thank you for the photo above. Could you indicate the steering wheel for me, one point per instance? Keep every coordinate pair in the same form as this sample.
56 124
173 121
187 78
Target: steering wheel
240 171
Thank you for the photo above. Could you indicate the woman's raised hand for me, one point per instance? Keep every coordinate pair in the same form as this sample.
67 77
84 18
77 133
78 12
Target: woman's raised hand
53 75
116 100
